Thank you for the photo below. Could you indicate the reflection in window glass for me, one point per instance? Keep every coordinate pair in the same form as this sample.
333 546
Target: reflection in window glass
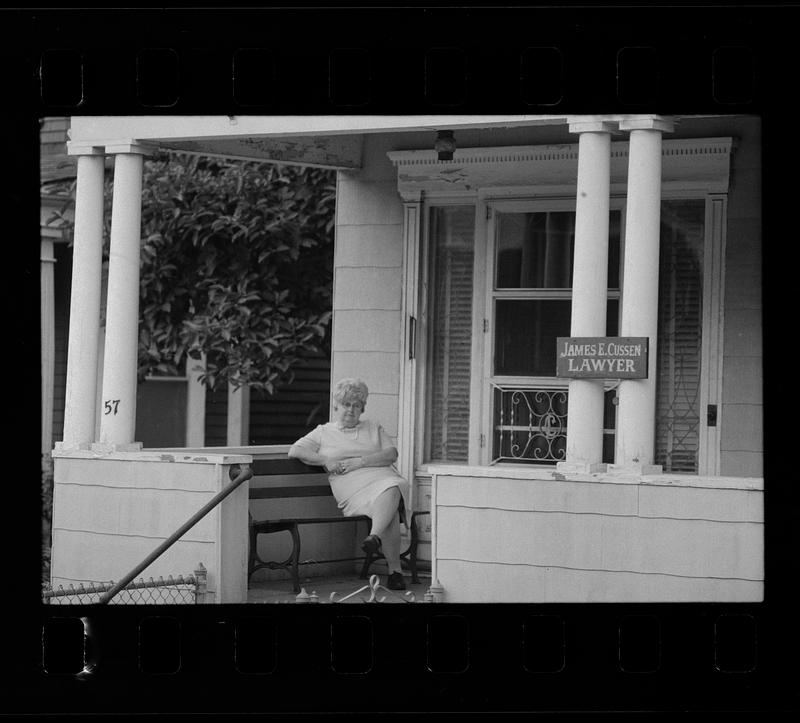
525 336
526 331
535 250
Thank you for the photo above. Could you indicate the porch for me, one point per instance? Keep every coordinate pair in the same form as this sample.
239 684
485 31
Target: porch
341 585
156 512
496 534
591 524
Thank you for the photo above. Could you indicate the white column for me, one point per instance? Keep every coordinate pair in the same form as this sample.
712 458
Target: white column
238 416
84 312
637 397
589 290
47 261
195 403
118 412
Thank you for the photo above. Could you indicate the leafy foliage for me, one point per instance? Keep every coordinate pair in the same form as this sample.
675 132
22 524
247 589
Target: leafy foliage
236 265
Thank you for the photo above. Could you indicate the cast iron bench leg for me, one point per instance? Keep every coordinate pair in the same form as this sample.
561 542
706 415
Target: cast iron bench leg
251 562
413 552
295 569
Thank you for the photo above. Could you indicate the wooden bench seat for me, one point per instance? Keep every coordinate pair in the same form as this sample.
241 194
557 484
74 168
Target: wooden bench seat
292 524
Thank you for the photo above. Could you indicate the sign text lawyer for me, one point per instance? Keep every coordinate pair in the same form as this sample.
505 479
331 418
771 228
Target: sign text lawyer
602 357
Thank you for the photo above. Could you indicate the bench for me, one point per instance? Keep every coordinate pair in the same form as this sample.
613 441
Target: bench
292 524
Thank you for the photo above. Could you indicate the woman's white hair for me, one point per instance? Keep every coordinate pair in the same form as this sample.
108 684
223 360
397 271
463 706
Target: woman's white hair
350 389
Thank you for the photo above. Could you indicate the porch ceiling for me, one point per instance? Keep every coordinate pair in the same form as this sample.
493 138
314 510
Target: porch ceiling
326 141
342 152
329 141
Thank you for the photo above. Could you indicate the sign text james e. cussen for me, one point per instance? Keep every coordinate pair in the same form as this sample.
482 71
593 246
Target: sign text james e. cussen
602 357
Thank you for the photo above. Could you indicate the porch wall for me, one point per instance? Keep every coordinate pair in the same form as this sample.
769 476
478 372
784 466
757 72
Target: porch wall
110 513
595 539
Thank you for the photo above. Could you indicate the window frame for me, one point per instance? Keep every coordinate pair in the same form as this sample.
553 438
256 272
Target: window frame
422 418
700 174
489 380
481 387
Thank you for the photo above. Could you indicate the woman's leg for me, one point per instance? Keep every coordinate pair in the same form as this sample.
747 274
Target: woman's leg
386 525
391 545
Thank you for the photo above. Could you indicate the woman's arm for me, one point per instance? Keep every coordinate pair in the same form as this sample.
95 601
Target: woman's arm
382 458
297 451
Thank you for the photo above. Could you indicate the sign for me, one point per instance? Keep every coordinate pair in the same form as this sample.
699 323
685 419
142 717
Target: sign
602 357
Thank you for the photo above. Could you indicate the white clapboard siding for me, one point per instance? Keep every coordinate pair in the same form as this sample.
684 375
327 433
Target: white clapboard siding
597 538
480 582
109 557
132 511
110 513
537 495
688 548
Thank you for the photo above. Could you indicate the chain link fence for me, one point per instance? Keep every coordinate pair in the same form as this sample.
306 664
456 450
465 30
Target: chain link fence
180 590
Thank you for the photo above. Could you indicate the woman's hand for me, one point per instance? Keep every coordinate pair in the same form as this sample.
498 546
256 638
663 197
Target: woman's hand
332 465
343 466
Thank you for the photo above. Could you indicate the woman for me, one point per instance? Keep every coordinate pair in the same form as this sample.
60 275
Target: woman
358 456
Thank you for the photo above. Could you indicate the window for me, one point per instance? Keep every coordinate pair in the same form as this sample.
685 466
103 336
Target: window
530 248
528 307
487 292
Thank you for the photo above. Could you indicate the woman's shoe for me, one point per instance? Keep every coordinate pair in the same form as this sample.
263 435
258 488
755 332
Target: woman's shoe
396 582
371 544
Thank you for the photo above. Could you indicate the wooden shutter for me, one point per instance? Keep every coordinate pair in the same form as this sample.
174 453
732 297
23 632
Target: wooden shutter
452 238
679 336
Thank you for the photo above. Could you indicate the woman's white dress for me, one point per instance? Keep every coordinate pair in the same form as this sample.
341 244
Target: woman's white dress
356 491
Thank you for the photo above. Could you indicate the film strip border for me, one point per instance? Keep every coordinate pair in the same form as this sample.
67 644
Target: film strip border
321 658
411 60
715 656
355 79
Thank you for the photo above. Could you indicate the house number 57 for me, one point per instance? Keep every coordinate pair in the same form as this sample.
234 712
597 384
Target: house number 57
111 405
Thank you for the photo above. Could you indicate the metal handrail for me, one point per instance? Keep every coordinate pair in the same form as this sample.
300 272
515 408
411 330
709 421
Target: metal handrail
244 474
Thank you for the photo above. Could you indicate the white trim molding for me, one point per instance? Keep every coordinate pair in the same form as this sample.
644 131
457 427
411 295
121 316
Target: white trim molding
691 164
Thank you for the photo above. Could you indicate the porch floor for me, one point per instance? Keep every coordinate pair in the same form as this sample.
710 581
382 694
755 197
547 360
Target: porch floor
280 591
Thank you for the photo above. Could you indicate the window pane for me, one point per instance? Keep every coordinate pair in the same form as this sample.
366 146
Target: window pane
525 336
450 340
680 319
535 250
526 331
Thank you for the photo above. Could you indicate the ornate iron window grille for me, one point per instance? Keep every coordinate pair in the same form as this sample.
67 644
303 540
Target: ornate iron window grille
530 425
